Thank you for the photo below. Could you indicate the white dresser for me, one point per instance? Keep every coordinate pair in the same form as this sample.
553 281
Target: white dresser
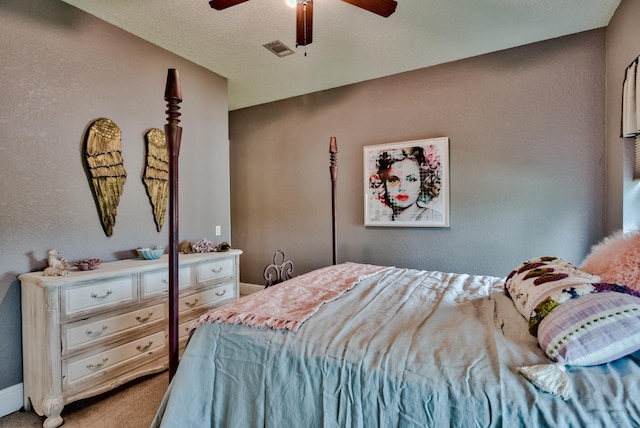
90 331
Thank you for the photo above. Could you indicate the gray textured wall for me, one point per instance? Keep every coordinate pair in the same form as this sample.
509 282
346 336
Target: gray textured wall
60 70
527 163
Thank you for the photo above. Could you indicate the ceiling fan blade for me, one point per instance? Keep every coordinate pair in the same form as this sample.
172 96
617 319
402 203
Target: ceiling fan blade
379 7
304 22
223 4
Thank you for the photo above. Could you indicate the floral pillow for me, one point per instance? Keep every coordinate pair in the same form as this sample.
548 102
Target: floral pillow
535 284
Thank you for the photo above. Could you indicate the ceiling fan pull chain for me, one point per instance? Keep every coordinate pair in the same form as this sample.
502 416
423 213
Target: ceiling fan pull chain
304 5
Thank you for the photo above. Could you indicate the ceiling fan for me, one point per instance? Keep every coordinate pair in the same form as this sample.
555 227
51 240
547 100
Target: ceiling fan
304 13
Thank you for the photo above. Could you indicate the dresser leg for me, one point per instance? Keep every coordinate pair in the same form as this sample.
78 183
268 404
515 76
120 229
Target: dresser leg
27 403
52 407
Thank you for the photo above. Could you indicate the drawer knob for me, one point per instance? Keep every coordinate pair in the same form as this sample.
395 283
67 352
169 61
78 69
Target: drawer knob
96 333
221 293
191 304
97 366
144 348
144 319
101 296
217 269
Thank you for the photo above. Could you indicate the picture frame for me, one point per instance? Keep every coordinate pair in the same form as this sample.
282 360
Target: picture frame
407 183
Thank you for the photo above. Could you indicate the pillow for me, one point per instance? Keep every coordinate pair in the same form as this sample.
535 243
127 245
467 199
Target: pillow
577 319
536 280
594 329
616 259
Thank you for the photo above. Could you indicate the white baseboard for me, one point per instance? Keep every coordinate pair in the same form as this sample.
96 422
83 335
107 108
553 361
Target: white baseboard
11 399
246 288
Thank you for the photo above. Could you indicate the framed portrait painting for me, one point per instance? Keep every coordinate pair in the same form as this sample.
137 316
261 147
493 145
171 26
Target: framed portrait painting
407 184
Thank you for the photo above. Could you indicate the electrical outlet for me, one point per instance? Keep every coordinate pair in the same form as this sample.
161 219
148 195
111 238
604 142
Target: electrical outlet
218 232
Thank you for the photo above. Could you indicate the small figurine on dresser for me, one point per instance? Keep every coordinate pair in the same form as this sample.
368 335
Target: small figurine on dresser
58 266
204 246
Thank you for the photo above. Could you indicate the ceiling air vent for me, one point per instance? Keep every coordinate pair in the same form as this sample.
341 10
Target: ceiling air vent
278 48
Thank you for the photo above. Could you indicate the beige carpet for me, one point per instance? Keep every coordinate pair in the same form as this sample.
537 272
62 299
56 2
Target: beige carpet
131 406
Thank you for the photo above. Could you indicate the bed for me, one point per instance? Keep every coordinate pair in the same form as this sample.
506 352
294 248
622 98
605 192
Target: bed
358 345
400 347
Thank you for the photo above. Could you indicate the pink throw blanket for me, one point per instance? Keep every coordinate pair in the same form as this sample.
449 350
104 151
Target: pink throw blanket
288 304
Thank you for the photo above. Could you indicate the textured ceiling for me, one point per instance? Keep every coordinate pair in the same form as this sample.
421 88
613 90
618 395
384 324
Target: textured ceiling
349 44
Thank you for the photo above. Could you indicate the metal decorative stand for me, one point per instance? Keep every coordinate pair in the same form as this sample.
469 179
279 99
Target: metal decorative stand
281 267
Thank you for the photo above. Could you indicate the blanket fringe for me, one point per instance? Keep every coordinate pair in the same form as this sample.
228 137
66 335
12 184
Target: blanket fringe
247 318
550 378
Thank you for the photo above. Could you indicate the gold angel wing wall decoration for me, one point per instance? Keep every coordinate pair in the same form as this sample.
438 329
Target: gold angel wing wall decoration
103 155
156 174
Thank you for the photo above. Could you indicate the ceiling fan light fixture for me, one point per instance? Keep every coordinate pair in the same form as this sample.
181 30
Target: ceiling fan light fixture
304 22
304 15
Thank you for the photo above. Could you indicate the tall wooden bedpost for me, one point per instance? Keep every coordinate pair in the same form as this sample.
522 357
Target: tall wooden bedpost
173 132
333 169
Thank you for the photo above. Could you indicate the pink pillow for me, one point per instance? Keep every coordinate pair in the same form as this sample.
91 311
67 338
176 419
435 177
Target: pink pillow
616 260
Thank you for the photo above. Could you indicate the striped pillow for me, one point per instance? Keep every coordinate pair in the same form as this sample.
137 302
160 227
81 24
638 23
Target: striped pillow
592 329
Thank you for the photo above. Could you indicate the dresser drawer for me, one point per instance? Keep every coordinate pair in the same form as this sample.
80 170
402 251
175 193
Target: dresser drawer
102 363
99 295
210 297
157 282
216 269
183 330
85 332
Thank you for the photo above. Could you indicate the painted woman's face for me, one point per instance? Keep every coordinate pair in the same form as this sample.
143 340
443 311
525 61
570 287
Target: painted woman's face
403 183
